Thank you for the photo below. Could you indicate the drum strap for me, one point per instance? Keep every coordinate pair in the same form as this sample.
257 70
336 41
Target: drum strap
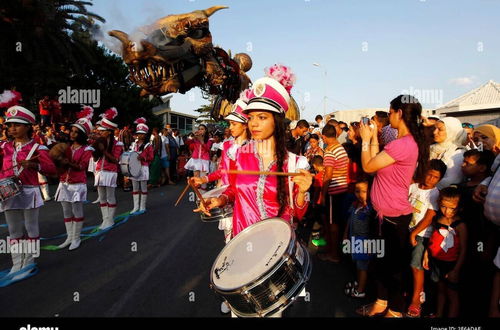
14 158
292 164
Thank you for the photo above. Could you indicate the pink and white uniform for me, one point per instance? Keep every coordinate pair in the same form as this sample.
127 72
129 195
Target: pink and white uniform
255 198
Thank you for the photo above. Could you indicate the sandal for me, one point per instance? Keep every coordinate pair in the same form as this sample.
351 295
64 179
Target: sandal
356 294
414 311
349 286
365 309
391 314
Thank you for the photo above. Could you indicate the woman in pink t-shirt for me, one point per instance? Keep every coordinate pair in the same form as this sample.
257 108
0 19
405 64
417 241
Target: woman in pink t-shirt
394 169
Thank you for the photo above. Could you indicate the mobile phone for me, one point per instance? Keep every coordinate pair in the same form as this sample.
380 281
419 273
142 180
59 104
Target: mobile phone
365 120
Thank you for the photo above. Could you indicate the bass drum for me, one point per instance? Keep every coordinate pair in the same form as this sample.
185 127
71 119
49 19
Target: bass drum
262 270
130 165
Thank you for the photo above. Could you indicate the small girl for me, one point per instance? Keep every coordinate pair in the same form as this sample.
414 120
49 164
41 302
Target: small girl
146 156
200 153
106 157
23 158
359 228
447 247
72 190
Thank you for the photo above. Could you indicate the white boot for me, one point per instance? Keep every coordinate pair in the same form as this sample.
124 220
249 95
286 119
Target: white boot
104 211
110 220
17 258
136 202
144 198
77 230
29 256
69 231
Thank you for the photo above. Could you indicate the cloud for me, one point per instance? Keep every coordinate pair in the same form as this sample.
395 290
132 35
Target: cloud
463 81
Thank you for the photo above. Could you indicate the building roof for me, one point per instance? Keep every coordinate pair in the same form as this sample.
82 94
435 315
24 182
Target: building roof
484 97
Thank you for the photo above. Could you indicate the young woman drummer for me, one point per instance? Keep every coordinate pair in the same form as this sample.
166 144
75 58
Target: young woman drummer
146 156
23 158
72 189
258 197
107 156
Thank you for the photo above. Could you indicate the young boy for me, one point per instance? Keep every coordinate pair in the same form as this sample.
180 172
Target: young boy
423 197
359 228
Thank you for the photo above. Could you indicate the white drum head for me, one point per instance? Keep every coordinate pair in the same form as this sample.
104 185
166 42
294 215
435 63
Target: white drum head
214 192
251 254
134 164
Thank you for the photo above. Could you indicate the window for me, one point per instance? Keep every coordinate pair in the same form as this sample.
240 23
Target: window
182 123
174 121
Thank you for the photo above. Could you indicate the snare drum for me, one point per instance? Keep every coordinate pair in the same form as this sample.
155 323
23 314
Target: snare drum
216 213
9 187
130 165
262 270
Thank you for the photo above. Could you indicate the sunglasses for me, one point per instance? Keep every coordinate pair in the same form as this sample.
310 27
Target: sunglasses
467 125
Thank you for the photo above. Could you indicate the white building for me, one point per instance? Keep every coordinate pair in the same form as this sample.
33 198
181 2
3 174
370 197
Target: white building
476 107
183 122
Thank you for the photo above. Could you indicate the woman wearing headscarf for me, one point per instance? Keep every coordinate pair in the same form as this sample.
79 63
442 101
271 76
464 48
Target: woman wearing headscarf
487 137
449 137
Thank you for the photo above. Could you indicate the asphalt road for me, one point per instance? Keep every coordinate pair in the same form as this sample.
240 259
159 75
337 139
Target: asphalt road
155 265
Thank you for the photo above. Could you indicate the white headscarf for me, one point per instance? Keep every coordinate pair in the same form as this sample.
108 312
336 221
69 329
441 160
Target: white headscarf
455 138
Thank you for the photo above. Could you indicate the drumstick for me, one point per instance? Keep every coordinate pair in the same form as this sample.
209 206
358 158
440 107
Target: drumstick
182 194
198 194
262 173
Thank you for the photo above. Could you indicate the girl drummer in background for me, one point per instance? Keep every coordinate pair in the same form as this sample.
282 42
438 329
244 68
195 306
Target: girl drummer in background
106 157
260 197
23 158
72 189
239 136
239 131
145 150
200 152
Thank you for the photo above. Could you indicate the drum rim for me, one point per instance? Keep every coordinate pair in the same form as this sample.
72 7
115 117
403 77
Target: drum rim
251 284
292 294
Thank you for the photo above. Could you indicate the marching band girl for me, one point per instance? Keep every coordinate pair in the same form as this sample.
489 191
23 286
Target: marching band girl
146 156
72 190
200 152
239 132
258 197
23 158
106 156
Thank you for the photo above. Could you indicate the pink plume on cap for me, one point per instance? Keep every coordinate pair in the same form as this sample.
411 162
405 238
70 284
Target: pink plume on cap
140 120
281 74
87 112
245 95
9 98
110 114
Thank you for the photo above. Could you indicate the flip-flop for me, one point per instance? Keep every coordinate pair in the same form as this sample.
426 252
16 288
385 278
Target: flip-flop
364 310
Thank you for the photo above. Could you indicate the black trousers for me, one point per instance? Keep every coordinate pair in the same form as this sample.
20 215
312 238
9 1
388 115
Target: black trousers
391 270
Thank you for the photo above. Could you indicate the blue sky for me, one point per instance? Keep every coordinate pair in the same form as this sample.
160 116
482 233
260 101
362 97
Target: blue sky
372 50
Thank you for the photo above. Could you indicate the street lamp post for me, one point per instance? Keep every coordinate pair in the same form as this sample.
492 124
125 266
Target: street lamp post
325 82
